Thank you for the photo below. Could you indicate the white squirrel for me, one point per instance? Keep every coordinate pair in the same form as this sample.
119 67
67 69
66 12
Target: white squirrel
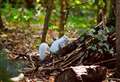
43 51
59 43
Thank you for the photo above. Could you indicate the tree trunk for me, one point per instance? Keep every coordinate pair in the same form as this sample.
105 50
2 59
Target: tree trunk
118 36
64 15
47 19
30 3
1 24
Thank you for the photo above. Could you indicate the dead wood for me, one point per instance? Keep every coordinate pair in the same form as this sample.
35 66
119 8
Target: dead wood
77 53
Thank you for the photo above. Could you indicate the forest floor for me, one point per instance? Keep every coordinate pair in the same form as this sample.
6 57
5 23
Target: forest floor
86 50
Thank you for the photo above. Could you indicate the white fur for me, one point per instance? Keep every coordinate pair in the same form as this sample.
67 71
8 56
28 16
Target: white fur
43 51
59 43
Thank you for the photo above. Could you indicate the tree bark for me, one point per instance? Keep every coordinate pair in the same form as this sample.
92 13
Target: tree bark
30 3
2 27
64 15
118 37
49 8
1 24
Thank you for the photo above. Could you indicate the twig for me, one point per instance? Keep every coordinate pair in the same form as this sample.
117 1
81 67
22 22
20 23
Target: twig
31 61
77 57
116 79
105 61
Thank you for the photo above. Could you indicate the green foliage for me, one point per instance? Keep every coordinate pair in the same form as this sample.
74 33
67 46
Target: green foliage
101 43
82 15
8 68
16 14
4 75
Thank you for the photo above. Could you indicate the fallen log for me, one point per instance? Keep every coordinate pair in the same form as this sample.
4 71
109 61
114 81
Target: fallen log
82 74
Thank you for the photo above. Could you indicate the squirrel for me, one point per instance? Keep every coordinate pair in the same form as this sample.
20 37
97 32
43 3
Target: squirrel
43 51
58 44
